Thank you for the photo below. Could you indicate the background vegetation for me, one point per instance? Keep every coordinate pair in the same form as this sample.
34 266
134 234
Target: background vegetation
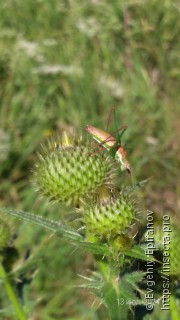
63 64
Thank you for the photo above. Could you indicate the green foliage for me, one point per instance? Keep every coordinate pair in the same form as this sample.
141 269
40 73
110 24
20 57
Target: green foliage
115 293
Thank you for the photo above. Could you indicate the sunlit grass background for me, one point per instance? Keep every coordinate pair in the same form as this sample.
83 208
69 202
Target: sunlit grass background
63 64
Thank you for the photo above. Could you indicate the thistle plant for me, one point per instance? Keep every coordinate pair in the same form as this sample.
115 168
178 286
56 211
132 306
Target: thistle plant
72 172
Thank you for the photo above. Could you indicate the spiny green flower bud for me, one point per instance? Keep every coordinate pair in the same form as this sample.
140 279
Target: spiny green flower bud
4 234
70 173
110 220
120 243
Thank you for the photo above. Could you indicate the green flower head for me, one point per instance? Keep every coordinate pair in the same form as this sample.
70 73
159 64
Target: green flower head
69 172
107 220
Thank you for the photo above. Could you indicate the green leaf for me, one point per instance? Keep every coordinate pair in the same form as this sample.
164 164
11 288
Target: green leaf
138 252
111 300
92 285
59 228
96 248
134 277
127 291
130 283
55 226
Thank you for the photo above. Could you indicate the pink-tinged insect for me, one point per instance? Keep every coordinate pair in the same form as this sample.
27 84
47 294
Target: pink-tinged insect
109 142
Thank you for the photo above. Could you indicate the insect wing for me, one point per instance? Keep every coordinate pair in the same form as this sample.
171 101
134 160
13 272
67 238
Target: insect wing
101 136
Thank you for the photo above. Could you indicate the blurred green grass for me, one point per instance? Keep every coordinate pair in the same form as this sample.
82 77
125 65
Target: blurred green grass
63 64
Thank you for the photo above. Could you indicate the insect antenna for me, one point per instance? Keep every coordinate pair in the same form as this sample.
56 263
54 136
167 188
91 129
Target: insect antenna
121 134
109 117
116 126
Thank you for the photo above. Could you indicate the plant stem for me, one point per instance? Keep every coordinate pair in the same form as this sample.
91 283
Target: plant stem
12 296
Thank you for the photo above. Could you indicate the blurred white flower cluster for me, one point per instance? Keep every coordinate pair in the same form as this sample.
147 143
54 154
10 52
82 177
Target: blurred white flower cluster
56 69
33 50
49 42
89 26
113 86
30 49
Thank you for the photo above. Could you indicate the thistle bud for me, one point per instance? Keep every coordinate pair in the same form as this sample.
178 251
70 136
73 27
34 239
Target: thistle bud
120 243
109 220
70 172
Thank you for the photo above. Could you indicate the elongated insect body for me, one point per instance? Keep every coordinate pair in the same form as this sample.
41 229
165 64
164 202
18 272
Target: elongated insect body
101 136
108 141
120 156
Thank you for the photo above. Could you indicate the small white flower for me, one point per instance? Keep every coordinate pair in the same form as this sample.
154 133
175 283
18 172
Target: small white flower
113 86
55 69
49 42
88 26
152 140
30 49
